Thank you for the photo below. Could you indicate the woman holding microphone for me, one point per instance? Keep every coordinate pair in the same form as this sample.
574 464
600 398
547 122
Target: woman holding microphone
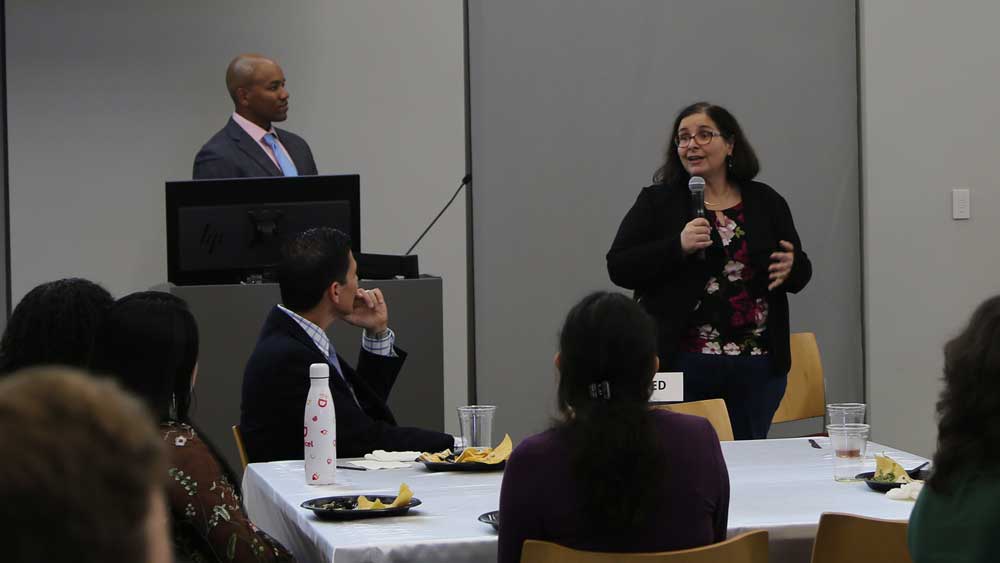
715 284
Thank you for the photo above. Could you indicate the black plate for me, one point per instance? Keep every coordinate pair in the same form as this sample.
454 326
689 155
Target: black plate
346 507
884 486
464 466
492 518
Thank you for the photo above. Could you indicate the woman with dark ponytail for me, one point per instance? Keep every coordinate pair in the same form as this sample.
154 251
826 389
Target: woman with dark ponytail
613 475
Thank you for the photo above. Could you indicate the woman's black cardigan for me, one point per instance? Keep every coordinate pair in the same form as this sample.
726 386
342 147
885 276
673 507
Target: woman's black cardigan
646 257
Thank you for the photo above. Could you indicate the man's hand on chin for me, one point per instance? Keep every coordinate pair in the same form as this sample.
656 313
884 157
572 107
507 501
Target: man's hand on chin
370 312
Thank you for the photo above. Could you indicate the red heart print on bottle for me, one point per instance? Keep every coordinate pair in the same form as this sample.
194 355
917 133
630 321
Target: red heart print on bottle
320 422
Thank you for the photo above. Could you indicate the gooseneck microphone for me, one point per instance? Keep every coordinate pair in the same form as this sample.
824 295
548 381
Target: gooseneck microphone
465 181
697 187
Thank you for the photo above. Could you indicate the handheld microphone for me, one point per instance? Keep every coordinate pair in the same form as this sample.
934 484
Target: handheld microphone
697 187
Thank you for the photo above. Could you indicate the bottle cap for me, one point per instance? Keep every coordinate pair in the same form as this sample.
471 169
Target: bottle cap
319 371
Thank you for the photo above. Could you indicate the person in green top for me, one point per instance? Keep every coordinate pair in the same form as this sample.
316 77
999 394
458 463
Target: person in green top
957 515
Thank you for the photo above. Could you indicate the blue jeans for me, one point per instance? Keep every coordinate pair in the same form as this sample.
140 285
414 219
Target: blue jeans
751 390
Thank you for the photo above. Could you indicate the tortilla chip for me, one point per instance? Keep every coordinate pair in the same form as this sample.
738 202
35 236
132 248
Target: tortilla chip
885 465
365 504
501 452
437 457
473 455
403 498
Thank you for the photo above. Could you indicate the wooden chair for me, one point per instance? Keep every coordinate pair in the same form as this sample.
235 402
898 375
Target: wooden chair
239 445
805 395
749 547
712 409
848 537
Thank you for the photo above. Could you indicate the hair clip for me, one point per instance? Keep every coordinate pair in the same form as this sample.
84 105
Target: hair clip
600 390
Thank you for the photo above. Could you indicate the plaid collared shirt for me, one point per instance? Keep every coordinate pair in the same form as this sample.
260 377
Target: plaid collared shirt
378 346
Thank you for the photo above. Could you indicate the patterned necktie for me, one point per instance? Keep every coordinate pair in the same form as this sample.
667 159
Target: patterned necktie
332 353
284 162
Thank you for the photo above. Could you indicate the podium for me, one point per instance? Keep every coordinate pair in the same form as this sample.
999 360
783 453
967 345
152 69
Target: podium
230 318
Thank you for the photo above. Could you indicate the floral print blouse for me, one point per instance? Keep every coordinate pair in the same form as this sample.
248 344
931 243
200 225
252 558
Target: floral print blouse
730 318
209 523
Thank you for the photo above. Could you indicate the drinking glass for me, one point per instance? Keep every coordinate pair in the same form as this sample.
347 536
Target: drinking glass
476 424
850 442
845 413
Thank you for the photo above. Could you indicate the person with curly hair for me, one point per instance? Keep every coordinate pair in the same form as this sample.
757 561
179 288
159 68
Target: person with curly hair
150 345
958 512
56 323
612 474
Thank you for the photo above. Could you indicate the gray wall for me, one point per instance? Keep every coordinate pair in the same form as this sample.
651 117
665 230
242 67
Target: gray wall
109 99
571 105
929 125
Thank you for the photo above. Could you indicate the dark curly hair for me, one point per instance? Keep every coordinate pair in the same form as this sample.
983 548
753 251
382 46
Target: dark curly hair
55 323
969 408
744 165
608 337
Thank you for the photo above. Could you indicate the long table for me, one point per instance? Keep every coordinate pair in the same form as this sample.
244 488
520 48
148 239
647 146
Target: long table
777 485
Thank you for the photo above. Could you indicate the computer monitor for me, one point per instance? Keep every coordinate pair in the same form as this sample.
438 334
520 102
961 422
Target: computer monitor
231 231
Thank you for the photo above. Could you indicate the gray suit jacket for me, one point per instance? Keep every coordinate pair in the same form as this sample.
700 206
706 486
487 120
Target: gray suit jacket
231 153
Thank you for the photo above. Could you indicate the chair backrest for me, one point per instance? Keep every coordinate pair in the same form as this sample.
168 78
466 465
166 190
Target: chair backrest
749 547
712 409
239 445
805 394
848 537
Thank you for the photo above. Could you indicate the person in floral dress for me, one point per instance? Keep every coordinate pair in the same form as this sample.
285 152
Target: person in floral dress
150 345
717 285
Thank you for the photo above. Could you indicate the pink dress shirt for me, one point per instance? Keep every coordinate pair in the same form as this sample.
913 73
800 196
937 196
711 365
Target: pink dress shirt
257 134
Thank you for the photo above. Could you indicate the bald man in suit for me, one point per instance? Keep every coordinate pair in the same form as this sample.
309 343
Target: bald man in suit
249 145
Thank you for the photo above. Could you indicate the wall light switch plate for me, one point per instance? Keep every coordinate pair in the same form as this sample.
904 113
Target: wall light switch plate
960 203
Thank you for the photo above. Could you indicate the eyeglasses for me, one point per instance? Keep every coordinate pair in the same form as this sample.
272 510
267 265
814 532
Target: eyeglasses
702 137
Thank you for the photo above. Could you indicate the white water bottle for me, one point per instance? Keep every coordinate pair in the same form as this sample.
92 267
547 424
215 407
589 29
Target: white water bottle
320 429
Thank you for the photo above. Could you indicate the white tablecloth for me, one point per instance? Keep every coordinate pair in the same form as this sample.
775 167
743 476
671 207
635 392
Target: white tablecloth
778 485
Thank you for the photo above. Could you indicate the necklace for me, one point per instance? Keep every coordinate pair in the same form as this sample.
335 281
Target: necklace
726 198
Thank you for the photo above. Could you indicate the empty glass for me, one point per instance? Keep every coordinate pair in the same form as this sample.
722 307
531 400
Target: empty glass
850 442
845 413
476 424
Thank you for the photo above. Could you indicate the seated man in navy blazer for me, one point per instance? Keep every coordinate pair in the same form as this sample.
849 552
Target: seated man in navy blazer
319 285
249 145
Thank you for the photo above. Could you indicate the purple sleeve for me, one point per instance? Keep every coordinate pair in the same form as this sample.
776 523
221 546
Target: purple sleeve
517 515
721 474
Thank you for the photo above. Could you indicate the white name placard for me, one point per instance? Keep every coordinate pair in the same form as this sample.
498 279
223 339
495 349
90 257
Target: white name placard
668 386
